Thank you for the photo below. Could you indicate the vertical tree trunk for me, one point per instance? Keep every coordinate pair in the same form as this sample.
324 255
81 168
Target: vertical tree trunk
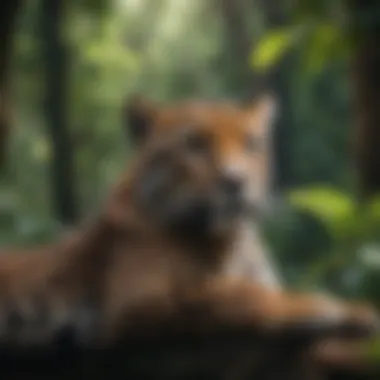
241 77
8 14
236 30
366 90
55 55
276 15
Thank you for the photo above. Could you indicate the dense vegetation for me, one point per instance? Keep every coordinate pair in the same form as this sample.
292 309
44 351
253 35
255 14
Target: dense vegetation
74 64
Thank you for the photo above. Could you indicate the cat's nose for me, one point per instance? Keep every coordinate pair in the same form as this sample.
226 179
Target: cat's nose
231 186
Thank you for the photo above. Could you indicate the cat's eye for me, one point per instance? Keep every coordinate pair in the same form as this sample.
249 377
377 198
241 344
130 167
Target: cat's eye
196 143
253 144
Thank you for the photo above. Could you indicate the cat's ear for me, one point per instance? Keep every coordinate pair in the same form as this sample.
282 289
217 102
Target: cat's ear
262 113
139 113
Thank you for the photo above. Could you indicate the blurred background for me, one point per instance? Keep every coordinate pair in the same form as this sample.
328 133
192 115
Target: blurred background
68 66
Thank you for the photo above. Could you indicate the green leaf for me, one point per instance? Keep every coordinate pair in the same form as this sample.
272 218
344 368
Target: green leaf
41 150
324 44
370 219
374 351
333 208
373 211
271 48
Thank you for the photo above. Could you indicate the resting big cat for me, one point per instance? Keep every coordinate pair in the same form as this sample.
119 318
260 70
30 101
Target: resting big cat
247 257
154 260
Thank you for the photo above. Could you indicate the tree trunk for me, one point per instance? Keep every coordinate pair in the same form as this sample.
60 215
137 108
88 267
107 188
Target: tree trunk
279 80
366 91
235 62
55 55
8 13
